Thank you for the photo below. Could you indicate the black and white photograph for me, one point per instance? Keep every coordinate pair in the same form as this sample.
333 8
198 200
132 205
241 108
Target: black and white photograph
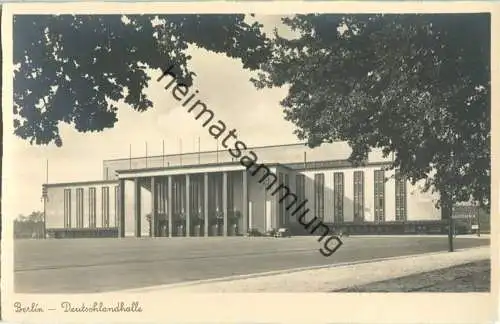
190 153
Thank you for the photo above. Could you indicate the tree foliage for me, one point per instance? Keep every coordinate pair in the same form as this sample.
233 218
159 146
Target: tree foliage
35 217
30 226
1 123
71 68
414 85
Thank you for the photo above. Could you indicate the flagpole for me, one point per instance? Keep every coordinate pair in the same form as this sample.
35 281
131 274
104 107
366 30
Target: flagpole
130 156
180 150
45 199
217 151
146 154
199 150
163 152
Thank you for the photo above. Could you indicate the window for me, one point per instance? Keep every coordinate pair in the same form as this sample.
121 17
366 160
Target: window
92 207
300 188
192 195
105 206
201 196
281 207
338 193
300 191
161 197
401 209
67 208
175 196
281 203
359 197
284 203
214 193
117 205
178 193
212 189
196 196
319 195
230 192
379 195
79 207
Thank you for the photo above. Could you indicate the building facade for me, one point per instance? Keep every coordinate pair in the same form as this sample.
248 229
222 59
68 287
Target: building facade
212 193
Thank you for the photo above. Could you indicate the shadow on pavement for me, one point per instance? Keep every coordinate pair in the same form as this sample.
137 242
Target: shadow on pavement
470 277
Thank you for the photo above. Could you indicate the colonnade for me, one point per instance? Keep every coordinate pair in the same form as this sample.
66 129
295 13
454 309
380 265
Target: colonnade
188 199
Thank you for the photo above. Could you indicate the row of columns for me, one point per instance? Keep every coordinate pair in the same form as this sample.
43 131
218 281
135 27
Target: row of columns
154 204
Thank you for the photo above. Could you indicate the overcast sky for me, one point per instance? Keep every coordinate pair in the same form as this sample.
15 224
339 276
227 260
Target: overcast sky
223 85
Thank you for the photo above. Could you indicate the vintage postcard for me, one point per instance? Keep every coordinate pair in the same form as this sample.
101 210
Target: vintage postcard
250 162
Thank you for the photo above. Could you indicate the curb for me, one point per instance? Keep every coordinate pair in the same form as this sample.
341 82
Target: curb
483 236
285 271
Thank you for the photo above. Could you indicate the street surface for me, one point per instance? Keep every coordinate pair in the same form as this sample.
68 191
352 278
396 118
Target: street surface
102 265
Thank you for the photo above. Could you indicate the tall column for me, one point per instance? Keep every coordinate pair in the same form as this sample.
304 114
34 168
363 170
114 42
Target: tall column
160 209
121 208
164 197
188 211
169 205
154 211
137 207
244 209
205 203
224 201
250 213
277 210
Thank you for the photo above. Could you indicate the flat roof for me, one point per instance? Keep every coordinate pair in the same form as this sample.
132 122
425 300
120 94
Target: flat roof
85 183
333 164
327 164
194 166
128 171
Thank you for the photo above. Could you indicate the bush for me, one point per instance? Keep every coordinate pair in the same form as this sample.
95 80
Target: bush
254 232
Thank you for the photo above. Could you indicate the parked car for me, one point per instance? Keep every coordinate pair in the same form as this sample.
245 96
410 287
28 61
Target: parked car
283 232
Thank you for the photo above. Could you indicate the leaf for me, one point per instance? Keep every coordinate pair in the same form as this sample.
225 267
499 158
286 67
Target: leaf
416 86
71 68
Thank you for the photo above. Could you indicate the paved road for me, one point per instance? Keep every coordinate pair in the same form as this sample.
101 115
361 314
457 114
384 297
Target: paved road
99 265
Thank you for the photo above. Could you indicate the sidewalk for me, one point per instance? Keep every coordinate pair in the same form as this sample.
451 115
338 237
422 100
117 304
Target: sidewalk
470 277
332 278
469 236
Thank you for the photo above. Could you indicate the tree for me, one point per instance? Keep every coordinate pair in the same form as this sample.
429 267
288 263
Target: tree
72 68
417 86
1 122
34 217
29 226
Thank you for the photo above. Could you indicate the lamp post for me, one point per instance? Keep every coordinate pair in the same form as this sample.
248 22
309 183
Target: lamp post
449 203
450 233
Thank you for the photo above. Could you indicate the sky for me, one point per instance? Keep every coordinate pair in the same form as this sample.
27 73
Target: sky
223 85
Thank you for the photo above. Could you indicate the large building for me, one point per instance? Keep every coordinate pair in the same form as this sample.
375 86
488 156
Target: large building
212 193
